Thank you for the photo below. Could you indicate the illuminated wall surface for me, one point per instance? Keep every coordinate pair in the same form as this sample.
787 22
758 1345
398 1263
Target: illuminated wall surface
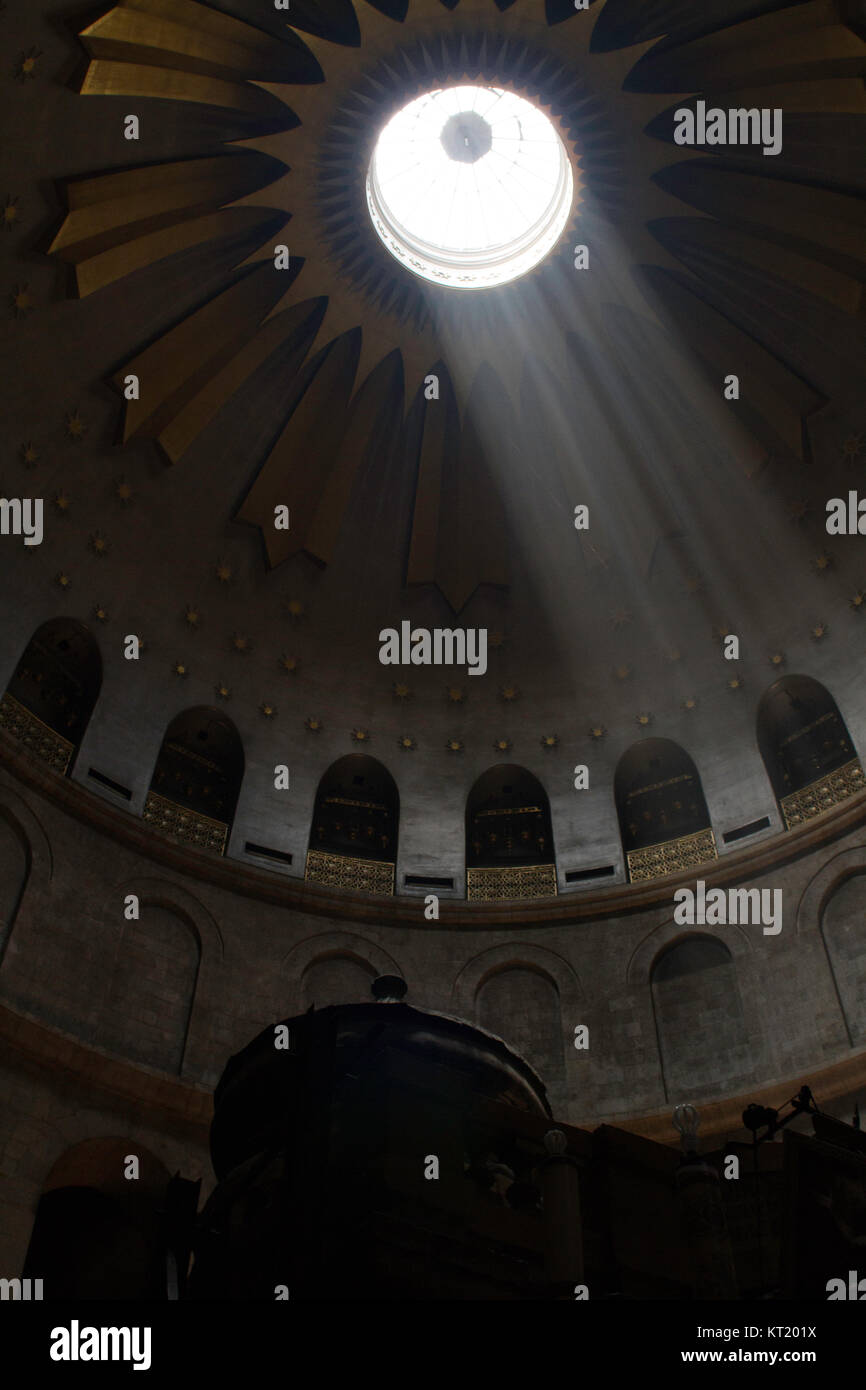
432 542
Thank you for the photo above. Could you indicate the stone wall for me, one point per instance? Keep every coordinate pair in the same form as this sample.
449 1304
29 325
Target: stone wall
220 951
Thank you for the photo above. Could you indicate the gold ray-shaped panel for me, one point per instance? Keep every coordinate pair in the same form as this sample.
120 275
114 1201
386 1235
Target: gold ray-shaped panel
109 79
302 462
769 391
812 43
177 34
459 537
181 431
179 364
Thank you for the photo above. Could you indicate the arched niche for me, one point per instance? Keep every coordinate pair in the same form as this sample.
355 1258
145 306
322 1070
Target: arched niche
808 753
15 861
509 840
699 1019
151 989
336 979
520 1004
197 778
663 817
843 927
353 837
97 1234
50 698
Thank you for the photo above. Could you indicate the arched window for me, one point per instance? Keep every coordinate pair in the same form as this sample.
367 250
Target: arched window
509 841
197 778
699 1020
353 838
807 750
50 697
663 818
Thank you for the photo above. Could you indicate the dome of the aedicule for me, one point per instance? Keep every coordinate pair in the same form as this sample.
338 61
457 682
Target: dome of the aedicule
432 542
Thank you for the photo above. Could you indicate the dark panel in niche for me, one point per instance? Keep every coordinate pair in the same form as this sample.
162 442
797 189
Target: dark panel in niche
508 820
357 810
201 763
149 1002
699 1020
14 872
658 794
59 676
801 734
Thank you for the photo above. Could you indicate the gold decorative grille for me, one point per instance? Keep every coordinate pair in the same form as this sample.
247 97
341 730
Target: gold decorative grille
821 795
341 871
35 736
672 856
184 824
498 885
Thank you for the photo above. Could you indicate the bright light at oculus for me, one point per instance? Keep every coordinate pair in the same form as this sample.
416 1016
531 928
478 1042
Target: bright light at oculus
470 187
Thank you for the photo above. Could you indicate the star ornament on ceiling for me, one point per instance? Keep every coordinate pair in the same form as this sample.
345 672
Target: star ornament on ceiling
372 333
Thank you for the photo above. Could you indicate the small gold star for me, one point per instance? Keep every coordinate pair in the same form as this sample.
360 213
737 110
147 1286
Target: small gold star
11 211
29 454
622 673
722 630
123 491
361 735
22 300
454 745
644 720
224 572
181 669
690 702
290 664
63 579
406 743
621 618
821 563
267 709
496 639
509 693
549 741
852 447
735 683
192 617
222 691
455 694
673 654
857 601
401 691
75 426
98 544
240 643
777 659
315 726
597 731
100 613
502 745
61 502
27 64
694 584
295 608
818 632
